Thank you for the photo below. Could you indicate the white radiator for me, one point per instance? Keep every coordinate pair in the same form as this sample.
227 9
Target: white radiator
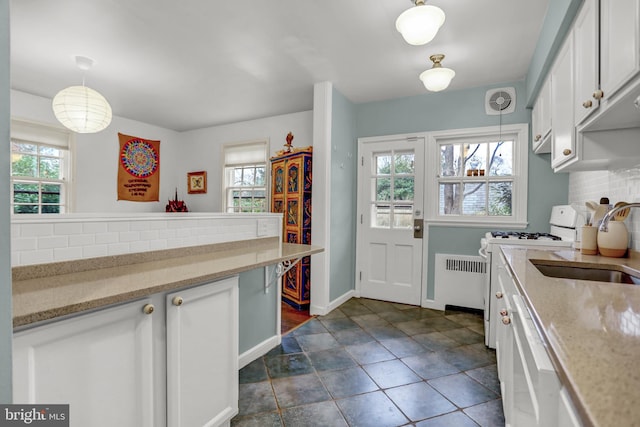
460 281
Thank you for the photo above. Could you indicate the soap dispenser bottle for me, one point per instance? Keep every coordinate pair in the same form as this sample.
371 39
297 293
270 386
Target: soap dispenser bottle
601 211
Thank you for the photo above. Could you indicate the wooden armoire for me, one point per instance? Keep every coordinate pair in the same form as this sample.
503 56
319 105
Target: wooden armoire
291 195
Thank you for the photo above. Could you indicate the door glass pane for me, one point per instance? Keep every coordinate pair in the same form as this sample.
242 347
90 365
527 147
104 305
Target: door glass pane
449 198
450 160
383 164
403 216
500 198
474 198
404 163
501 158
383 189
403 189
380 216
475 159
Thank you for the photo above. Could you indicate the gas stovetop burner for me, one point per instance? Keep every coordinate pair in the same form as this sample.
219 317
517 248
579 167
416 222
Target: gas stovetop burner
524 235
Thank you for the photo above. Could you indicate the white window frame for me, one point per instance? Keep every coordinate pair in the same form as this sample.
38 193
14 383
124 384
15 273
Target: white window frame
520 135
227 169
42 134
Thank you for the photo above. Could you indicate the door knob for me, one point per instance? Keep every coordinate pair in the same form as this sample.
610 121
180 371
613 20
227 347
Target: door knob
417 229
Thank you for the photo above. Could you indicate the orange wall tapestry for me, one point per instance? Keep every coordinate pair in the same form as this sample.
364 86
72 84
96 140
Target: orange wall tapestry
138 169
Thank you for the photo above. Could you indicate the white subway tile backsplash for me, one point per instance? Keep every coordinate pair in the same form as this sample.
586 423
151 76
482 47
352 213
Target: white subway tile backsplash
106 238
82 240
67 228
67 254
618 186
52 240
36 230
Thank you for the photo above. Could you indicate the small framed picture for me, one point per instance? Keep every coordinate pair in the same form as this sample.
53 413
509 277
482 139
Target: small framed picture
197 182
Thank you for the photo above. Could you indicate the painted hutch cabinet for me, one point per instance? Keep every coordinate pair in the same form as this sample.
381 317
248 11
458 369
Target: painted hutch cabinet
291 195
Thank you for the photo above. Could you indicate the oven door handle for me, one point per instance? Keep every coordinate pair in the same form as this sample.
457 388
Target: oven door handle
483 249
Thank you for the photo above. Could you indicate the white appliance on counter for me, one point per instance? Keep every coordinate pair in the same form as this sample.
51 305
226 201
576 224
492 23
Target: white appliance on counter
564 223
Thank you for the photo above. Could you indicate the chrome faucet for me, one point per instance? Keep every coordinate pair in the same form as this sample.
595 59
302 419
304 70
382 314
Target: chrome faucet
607 217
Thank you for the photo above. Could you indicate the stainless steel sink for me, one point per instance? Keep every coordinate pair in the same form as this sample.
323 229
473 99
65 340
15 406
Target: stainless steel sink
611 274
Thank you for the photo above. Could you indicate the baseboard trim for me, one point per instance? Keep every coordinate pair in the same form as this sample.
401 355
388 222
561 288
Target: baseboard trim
258 351
322 311
432 304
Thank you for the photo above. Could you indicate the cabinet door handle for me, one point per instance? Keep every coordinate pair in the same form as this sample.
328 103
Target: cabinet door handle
148 309
538 136
566 151
598 94
503 312
587 104
499 295
506 320
177 301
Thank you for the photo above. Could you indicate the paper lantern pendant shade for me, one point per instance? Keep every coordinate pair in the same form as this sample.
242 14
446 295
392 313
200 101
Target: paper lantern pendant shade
82 109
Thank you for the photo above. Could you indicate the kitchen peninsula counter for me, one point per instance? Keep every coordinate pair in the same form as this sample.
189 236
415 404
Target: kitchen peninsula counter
591 331
49 291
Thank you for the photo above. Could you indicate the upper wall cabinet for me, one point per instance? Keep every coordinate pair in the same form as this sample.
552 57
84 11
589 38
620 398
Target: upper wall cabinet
541 120
595 81
620 56
585 36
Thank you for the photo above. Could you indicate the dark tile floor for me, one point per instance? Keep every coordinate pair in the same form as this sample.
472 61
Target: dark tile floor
375 364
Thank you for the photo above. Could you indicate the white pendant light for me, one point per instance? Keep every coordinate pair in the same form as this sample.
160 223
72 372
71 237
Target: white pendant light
80 108
420 24
438 77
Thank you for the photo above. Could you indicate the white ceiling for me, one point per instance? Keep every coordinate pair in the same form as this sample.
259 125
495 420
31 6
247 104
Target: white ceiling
197 63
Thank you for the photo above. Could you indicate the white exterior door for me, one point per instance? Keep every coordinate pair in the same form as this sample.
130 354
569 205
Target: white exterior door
390 184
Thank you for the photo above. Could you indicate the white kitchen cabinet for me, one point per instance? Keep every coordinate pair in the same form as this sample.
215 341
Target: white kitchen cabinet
567 415
619 44
144 363
100 363
202 369
563 142
541 119
586 80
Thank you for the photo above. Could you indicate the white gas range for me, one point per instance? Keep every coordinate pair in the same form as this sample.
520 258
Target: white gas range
564 223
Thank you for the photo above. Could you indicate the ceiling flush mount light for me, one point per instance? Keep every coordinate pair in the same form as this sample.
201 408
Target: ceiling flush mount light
420 24
80 108
438 77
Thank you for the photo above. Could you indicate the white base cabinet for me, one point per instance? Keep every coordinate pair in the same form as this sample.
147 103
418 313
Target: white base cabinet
531 390
101 364
167 360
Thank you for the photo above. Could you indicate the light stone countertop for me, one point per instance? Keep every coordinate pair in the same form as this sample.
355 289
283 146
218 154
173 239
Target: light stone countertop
592 332
47 291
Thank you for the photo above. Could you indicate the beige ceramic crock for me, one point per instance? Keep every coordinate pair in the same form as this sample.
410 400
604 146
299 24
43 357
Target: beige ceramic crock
614 241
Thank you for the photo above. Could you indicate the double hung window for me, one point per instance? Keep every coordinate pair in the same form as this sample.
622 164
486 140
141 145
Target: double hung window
40 169
245 177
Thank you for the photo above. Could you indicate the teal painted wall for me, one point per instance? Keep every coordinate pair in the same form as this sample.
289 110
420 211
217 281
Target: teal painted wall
457 110
258 310
6 322
342 254
557 22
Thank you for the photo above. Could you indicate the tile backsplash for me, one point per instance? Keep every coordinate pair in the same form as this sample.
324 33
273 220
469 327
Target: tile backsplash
621 185
40 240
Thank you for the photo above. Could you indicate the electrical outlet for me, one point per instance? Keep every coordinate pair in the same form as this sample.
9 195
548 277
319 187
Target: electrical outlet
263 227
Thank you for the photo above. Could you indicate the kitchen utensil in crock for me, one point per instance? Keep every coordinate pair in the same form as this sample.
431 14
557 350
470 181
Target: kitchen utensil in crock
623 213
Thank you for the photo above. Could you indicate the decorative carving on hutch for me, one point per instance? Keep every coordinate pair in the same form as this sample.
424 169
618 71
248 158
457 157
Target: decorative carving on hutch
291 196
